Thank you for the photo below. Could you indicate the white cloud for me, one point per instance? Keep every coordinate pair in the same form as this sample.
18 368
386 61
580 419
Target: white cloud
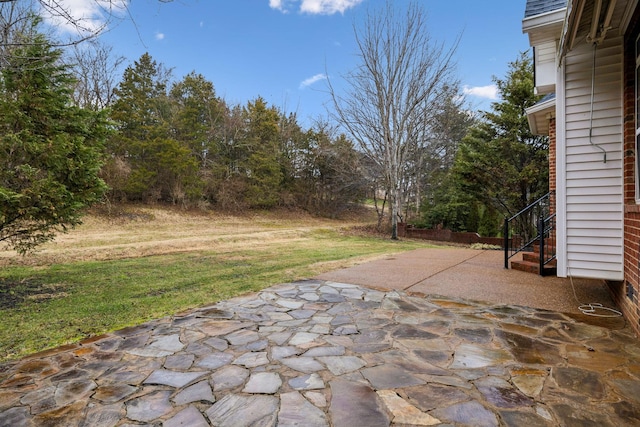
489 92
311 80
281 5
327 7
159 35
315 7
83 16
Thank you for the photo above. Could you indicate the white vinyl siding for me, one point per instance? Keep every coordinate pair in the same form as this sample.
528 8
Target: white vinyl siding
545 60
592 188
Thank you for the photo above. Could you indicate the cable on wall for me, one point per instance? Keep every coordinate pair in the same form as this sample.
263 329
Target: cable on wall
593 84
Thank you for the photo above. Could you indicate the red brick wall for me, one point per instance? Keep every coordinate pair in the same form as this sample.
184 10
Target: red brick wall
444 235
626 294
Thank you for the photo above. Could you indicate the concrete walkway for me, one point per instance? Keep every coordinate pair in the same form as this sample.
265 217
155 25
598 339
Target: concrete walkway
472 274
327 353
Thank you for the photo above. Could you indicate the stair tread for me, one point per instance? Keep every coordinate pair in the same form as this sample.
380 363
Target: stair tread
531 267
523 262
535 257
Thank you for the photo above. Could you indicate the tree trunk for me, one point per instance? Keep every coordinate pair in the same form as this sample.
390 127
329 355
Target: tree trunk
380 209
394 214
396 92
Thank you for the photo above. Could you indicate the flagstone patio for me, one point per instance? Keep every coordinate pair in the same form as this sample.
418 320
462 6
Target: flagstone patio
328 353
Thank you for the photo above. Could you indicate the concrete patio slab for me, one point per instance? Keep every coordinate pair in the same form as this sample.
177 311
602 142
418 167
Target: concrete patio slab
474 274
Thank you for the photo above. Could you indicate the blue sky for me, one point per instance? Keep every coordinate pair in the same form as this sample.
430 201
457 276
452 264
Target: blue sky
283 50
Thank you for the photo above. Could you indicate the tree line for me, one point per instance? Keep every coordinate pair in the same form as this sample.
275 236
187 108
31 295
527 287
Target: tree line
74 132
178 142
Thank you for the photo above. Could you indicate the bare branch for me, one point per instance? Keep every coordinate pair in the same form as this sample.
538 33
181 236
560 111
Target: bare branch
392 97
96 69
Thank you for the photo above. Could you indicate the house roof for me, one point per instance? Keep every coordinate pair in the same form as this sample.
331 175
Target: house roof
548 97
538 114
539 7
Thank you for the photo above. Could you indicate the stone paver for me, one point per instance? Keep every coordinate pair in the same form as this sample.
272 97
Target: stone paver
321 353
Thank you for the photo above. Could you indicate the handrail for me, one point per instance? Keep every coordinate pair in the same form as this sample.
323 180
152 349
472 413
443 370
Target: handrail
547 232
523 229
532 205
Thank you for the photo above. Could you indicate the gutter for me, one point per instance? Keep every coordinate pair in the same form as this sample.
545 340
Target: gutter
548 107
572 19
597 32
542 20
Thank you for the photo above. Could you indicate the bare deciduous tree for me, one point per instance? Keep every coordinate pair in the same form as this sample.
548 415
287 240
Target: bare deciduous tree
97 70
84 20
390 100
433 158
15 20
79 20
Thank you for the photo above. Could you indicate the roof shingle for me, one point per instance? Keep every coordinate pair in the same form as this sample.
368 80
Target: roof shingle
538 7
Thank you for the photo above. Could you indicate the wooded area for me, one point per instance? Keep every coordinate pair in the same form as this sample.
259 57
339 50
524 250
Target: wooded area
180 143
75 130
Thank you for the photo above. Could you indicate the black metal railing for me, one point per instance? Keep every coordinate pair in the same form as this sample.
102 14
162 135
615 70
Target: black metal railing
532 226
547 242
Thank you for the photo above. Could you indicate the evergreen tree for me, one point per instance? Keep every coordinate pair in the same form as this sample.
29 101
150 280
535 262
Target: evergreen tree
443 203
158 167
447 207
138 109
262 167
500 163
198 114
50 150
196 122
294 151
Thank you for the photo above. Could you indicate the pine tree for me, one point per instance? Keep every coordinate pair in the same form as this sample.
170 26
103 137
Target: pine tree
264 175
198 115
50 150
158 167
500 162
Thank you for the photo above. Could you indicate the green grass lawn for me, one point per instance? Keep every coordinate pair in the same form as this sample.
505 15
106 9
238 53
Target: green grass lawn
47 306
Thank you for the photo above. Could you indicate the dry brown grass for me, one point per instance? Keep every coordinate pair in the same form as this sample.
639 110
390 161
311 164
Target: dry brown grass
140 231
142 263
